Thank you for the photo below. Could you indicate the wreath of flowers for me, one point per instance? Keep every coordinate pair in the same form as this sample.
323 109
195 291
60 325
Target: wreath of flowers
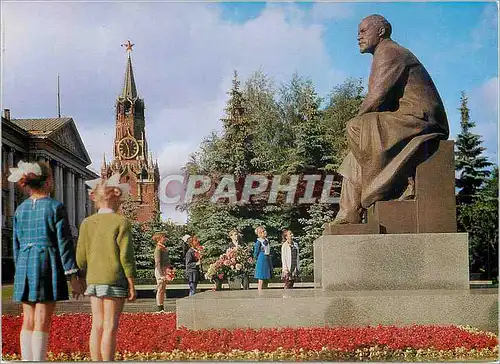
235 262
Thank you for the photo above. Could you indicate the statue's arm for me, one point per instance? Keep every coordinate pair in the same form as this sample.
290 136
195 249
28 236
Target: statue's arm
387 69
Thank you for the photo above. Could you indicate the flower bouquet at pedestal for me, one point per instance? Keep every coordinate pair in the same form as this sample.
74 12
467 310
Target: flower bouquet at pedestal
169 274
240 262
217 273
234 263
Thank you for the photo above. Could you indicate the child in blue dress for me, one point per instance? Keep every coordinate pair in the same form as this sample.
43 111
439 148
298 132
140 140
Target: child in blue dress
262 255
44 257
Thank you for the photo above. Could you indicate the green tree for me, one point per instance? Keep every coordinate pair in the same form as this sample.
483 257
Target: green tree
269 131
129 208
312 227
228 153
343 104
238 149
480 220
142 236
308 148
470 163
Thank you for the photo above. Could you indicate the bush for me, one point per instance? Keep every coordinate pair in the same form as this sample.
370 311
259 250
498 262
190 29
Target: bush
307 271
277 272
179 274
145 276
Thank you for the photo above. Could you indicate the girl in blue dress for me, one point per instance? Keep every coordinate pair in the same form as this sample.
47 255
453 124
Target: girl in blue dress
44 257
262 255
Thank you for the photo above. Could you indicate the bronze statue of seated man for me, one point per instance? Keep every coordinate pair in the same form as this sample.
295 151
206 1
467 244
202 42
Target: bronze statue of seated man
401 112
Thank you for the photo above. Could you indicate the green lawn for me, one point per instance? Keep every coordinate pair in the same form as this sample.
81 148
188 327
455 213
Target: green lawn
7 293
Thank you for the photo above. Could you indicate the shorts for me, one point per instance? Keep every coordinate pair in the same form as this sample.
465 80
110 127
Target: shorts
106 290
160 278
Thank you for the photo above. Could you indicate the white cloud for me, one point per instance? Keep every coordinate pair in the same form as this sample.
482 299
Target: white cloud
488 96
487 28
98 141
322 11
483 104
174 155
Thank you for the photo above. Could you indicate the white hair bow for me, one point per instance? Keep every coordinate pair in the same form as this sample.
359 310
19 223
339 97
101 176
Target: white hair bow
113 181
23 169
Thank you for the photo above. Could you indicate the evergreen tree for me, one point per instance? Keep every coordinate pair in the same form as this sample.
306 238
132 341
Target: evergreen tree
312 227
270 133
308 147
266 132
480 220
470 163
230 153
144 246
238 149
343 104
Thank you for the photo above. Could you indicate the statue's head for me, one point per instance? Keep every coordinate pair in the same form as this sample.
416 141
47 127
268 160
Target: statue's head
371 31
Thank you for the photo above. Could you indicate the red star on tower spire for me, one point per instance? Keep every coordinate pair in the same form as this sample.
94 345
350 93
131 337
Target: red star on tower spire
128 45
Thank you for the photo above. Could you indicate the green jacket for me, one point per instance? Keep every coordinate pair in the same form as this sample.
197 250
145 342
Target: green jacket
105 249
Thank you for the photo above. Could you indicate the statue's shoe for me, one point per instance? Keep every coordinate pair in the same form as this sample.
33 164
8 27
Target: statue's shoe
347 217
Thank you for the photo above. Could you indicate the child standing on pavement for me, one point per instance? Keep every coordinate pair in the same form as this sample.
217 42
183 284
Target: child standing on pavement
162 269
106 251
44 257
193 262
262 255
289 259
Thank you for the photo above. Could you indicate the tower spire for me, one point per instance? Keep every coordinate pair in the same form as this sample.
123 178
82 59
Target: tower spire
104 167
129 90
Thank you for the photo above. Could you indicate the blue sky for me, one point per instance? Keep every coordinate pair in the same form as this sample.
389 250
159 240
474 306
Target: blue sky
185 55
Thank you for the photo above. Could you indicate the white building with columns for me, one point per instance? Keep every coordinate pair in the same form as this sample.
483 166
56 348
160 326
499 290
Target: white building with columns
56 141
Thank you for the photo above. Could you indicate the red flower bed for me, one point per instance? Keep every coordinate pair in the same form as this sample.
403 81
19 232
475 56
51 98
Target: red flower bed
156 333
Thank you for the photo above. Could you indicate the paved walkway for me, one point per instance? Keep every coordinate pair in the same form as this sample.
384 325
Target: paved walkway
175 291
141 304
224 285
83 306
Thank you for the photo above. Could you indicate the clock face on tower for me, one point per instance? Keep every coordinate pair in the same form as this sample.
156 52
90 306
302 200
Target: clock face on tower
128 148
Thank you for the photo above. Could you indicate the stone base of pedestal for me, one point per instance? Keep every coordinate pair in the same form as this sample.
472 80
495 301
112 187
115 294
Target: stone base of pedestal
391 262
317 308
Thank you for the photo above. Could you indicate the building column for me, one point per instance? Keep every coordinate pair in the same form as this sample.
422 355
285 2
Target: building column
69 197
57 183
80 198
72 198
87 202
78 207
60 182
12 187
66 190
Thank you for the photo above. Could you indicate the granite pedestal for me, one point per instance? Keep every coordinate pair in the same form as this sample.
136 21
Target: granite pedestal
396 279
391 262
318 308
